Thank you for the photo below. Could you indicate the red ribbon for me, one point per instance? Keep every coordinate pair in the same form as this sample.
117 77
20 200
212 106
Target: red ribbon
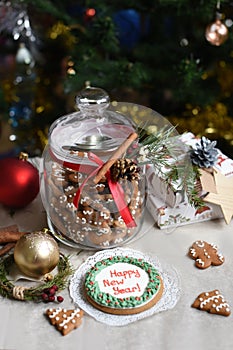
115 187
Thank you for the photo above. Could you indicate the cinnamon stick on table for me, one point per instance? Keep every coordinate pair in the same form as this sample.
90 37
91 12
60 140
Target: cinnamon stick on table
7 248
118 153
4 238
13 228
10 236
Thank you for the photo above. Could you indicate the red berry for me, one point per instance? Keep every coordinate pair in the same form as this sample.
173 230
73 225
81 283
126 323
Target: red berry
44 296
51 298
46 290
55 287
60 298
52 291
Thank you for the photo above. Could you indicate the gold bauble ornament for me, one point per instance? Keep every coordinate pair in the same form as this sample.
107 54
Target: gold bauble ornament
216 33
36 254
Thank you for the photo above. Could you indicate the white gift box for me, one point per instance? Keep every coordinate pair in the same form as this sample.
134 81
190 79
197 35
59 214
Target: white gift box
182 214
169 205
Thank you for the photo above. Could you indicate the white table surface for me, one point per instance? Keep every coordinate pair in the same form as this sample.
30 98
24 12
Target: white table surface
23 325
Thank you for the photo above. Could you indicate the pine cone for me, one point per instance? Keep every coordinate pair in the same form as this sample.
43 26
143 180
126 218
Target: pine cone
124 169
205 154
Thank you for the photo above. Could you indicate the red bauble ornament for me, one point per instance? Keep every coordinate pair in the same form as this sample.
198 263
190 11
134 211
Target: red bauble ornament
19 182
89 14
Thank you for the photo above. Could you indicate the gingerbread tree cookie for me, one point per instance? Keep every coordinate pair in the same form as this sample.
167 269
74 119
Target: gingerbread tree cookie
212 302
205 254
64 320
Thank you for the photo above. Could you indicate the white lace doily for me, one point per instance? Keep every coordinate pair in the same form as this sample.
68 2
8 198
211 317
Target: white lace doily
171 294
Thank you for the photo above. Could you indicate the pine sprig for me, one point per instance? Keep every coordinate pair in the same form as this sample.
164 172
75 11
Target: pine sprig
188 176
34 293
158 149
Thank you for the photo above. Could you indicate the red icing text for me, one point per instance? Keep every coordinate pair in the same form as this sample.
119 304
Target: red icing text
125 274
118 291
122 282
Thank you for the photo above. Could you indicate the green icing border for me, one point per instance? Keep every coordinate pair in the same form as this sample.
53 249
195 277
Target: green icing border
105 299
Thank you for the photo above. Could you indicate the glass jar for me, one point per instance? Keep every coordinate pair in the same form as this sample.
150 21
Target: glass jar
83 210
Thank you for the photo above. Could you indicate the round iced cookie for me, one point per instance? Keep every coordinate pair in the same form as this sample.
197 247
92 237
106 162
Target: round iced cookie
123 285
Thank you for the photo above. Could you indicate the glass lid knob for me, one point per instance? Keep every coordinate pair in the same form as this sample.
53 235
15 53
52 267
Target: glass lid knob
92 98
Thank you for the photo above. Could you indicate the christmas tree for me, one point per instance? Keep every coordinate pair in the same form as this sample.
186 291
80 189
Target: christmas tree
172 56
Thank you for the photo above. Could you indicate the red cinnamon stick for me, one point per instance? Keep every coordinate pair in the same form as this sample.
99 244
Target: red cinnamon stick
118 153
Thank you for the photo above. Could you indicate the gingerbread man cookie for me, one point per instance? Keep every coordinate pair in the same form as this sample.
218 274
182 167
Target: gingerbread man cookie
64 320
205 254
212 302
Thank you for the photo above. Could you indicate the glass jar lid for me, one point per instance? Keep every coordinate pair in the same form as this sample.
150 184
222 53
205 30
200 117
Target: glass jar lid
93 127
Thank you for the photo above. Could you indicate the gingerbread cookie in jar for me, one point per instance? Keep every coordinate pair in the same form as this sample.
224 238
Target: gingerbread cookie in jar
94 189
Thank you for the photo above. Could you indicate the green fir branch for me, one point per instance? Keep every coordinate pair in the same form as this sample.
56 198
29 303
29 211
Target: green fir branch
160 148
187 175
